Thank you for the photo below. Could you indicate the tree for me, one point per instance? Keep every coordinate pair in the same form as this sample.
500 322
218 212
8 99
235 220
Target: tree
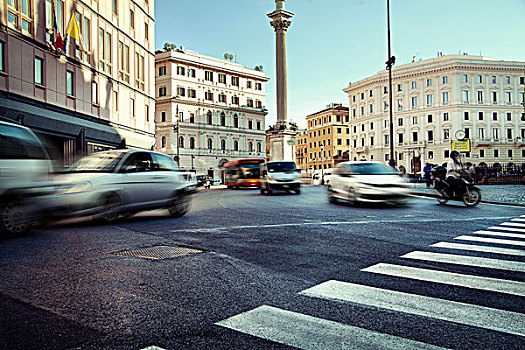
259 68
169 47
228 56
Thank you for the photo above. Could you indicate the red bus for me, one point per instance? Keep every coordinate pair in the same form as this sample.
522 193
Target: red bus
242 173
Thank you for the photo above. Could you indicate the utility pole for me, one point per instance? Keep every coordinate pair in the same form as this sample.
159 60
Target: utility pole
391 61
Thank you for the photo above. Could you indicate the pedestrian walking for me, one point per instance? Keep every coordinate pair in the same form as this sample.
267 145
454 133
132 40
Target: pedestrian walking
426 174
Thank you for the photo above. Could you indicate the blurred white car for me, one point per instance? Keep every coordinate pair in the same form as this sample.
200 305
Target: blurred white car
367 182
191 179
121 182
25 170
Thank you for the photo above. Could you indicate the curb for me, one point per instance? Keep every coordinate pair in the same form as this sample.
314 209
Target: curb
432 195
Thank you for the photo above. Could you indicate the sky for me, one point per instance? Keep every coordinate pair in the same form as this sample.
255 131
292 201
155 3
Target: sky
333 42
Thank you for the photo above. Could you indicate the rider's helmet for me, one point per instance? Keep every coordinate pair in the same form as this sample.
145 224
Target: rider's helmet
453 155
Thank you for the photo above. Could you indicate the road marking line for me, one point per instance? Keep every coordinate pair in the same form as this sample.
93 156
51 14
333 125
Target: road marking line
502 234
518 219
323 223
152 347
454 279
512 224
452 311
491 240
507 228
467 260
479 248
309 332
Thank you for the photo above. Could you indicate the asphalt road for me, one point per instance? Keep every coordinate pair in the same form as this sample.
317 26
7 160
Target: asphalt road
272 272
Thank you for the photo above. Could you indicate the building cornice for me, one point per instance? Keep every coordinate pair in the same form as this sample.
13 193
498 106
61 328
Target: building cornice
174 100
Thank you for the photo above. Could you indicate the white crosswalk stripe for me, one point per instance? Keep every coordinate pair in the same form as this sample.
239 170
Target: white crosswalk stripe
308 332
467 260
501 234
468 314
454 279
479 248
513 224
513 229
491 240
518 219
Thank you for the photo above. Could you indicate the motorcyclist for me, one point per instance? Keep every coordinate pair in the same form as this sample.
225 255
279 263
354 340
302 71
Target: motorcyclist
454 169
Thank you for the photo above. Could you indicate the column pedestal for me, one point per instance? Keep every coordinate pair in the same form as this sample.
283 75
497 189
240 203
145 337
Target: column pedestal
282 145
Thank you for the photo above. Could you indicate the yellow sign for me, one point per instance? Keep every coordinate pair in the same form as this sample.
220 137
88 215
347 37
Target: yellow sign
461 146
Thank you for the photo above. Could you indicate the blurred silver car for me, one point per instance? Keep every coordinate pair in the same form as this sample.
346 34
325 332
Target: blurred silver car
25 169
367 182
121 182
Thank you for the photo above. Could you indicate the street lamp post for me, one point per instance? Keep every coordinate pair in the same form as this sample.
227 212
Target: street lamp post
322 165
391 61
176 129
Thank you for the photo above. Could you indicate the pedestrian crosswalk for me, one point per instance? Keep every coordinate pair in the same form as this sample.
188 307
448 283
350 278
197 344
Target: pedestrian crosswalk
497 249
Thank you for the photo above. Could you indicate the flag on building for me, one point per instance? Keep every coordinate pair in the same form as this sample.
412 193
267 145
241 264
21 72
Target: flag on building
57 41
73 31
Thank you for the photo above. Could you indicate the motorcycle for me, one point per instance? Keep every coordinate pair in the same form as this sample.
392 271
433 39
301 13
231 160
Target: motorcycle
464 189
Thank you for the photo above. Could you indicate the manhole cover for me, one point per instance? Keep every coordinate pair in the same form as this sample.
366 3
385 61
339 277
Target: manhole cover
159 252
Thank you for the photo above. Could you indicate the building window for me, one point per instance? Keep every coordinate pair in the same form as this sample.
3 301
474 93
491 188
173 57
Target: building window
414 136
429 99
132 19
115 101
482 153
2 65
480 79
446 154
509 117
446 134
445 97
445 79
163 142
493 79
250 146
250 124
480 116
163 116
208 95
509 134
480 96
114 6
70 83
399 87
507 79
192 73
414 120
509 153
400 138
132 107
414 101
208 75
495 116
146 112
430 135
123 62
210 144
139 69
146 31
258 86
223 119
495 133
249 84
258 125
249 102
192 93
162 91
94 92
39 66
481 133
235 81
400 121
445 116
259 147
466 116
414 85
429 118
235 100
465 96
19 10
429 82
371 109
235 145
399 104
181 70
496 153
508 97
465 78
222 98
209 118
181 141
430 154
223 145
258 104
192 143
494 97
222 78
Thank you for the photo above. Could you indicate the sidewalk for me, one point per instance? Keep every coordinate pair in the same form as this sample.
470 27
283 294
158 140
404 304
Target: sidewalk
504 194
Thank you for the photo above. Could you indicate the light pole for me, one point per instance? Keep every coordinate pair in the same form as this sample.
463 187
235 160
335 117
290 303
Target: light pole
389 63
322 165
176 129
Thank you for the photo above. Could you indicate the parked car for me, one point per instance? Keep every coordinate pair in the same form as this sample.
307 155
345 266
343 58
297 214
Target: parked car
280 175
217 182
201 180
367 182
25 170
121 182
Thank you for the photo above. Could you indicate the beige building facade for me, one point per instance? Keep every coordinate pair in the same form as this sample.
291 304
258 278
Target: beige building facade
436 101
328 137
83 101
301 150
209 111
